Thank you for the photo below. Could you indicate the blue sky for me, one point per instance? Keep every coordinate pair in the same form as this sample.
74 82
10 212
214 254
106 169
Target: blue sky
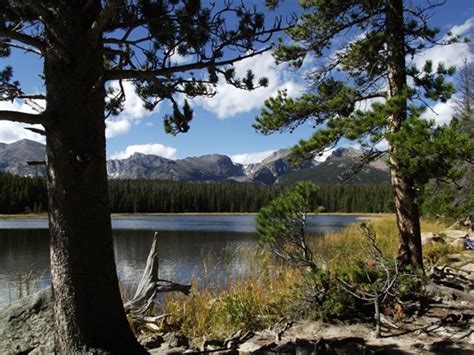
223 124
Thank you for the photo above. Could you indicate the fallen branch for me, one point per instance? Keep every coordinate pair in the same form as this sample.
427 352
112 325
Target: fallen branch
451 277
139 306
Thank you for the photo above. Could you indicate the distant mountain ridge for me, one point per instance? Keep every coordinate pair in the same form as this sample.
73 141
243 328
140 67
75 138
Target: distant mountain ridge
15 156
212 167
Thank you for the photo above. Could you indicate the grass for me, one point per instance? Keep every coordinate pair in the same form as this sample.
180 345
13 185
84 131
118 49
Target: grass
267 294
26 284
23 216
45 215
252 302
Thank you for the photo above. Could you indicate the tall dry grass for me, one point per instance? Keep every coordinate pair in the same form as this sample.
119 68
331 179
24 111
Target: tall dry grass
267 293
251 302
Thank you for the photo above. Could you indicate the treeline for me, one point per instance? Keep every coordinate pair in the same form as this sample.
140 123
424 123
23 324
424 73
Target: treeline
176 196
357 198
22 194
28 194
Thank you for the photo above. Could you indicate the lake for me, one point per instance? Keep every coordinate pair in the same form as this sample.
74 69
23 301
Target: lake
206 248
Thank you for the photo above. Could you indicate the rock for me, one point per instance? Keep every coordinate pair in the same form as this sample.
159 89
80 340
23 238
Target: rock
457 243
167 350
42 350
349 345
440 293
212 167
151 341
175 340
258 343
453 258
226 352
468 268
285 348
431 238
455 234
212 345
26 325
14 158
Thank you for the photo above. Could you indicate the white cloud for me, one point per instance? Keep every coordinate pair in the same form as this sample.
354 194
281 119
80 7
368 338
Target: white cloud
382 145
117 128
453 54
460 30
251 158
133 108
442 112
155 149
14 131
366 105
178 59
133 112
230 101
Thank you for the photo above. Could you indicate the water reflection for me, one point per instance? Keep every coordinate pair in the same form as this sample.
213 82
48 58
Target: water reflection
204 248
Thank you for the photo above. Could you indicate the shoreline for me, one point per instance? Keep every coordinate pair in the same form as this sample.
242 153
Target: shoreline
361 215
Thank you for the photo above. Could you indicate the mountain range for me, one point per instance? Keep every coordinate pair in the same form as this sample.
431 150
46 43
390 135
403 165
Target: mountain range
14 157
213 167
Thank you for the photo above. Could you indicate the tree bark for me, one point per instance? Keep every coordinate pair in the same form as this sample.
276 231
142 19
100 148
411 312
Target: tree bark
406 207
88 310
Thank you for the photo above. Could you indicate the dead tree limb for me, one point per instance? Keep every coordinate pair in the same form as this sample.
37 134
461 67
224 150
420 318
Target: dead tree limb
150 285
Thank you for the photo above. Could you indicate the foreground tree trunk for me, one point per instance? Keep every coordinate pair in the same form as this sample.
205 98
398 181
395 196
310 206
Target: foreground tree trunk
406 207
88 310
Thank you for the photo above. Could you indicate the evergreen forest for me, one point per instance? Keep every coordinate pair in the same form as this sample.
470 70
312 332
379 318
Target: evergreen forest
28 194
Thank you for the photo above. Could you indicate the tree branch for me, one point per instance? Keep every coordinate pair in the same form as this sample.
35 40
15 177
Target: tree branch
31 97
150 74
22 117
23 38
104 17
40 10
23 48
36 130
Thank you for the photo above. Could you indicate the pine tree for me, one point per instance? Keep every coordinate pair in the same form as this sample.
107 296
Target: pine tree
85 45
453 196
281 225
370 41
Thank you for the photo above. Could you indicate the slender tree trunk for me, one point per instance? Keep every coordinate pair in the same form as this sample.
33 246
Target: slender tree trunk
88 310
406 207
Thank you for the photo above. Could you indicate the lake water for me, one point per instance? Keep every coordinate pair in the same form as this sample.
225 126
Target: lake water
206 248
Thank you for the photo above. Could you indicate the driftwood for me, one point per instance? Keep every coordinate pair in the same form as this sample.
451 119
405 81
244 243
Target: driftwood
139 306
451 277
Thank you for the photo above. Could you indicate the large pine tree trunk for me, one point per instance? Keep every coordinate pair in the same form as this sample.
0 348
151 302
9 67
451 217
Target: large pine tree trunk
406 207
88 310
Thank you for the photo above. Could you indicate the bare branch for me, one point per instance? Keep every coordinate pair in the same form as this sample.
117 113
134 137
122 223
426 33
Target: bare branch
104 17
36 163
23 48
22 117
125 41
150 74
31 97
23 38
36 130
